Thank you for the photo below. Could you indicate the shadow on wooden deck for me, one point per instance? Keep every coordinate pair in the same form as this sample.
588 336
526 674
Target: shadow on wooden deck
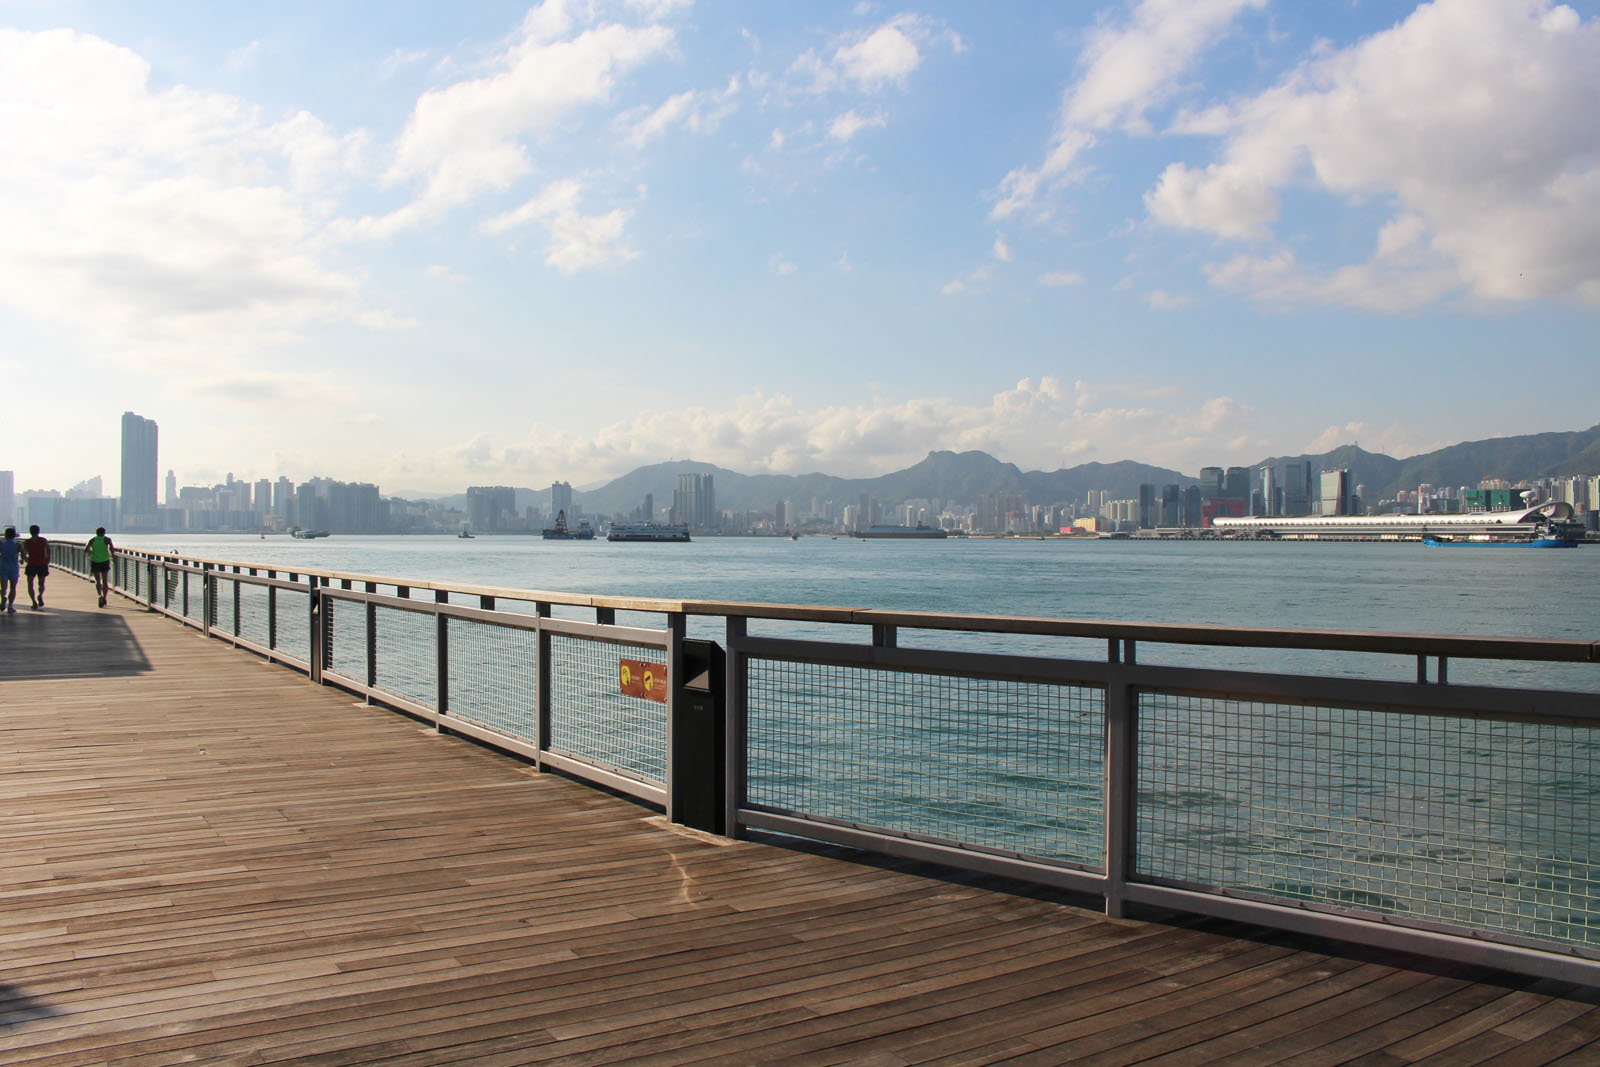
66 643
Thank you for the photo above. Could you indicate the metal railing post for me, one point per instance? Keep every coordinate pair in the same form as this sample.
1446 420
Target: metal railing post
734 756
542 730
1121 786
372 641
441 668
317 638
676 626
207 599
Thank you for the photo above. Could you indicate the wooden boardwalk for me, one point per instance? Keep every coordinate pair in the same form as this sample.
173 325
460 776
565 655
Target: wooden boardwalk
207 859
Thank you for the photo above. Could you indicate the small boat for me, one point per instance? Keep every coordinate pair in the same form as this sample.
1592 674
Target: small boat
466 534
306 535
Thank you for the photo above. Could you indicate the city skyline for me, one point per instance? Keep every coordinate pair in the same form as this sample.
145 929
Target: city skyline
513 244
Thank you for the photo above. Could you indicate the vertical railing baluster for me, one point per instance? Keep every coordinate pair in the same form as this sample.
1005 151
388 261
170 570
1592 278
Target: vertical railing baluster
441 667
542 730
372 640
1121 766
315 637
207 603
736 726
676 626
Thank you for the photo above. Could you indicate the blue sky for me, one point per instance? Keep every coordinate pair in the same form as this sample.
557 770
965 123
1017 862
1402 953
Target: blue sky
432 245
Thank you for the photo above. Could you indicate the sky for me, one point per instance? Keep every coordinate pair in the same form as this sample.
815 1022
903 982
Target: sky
431 245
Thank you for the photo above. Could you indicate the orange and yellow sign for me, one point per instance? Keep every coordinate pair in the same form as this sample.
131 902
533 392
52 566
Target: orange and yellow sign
641 679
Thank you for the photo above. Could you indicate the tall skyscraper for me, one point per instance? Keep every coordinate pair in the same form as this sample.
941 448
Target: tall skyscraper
1336 492
695 501
1269 491
172 489
8 497
139 472
561 500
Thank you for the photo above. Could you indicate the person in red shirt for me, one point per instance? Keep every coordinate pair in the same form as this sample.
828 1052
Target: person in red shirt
36 550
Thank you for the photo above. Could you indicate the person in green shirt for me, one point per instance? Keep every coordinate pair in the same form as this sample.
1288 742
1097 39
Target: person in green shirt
100 562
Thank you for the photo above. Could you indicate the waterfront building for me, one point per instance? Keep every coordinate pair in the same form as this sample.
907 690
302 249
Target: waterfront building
1297 488
1212 481
139 472
8 497
561 498
1147 506
648 510
263 501
1335 497
779 520
1269 491
489 507
694 502
170 497
283 497
1237 484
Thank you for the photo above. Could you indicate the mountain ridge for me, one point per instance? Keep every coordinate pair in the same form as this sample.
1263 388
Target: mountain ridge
960 477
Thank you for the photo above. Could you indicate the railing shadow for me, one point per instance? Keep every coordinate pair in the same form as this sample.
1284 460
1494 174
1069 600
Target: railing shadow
62 643
17 1008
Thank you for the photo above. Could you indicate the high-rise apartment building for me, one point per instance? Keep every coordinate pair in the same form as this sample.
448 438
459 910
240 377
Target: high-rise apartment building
489 506
139 472
561 500
694 502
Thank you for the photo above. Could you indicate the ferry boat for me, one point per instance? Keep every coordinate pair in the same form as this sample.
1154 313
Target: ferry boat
885 530
559 531
648 531
306 535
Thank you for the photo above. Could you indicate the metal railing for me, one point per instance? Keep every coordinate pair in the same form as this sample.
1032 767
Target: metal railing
1446 819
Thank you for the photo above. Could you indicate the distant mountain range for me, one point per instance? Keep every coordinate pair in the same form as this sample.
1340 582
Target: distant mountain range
960 477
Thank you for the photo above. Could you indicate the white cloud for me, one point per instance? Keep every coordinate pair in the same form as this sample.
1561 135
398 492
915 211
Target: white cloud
1060 278
467 138
1002 251
1039 423
1159 300
781 265
874 59
1476 121
849 124
1391 440
695 110
443 273
575 241
1128 69
886 55
166 225
243 58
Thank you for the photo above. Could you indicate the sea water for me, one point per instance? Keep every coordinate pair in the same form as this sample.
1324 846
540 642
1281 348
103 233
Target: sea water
1397 587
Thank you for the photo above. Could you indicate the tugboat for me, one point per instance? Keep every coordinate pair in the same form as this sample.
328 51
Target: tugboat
559 531
465 533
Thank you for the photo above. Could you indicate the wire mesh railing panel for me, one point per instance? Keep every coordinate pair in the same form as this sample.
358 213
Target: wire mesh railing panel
193 596
172 582
1006 765
591 719
407 656
494 677
294 622
1489 826
253 613
222 604
347 638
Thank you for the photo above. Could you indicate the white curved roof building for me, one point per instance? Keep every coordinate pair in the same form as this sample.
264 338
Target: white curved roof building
1516 523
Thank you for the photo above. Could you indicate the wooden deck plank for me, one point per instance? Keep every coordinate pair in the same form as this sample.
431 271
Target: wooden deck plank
209 859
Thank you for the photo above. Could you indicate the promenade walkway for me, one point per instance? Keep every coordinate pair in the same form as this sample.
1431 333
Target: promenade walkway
208 859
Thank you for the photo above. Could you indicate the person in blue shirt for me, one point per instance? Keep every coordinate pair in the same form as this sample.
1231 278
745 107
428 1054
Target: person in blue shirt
10 569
